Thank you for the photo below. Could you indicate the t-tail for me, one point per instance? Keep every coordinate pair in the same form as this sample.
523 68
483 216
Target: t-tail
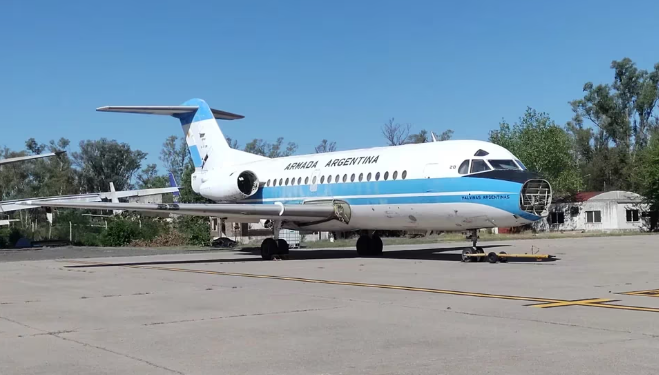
208 147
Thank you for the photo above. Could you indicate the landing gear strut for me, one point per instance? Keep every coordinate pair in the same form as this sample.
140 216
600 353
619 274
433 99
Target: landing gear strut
473 249
273 247
368 246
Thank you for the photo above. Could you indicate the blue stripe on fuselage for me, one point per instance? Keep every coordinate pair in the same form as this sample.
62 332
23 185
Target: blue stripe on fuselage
505 193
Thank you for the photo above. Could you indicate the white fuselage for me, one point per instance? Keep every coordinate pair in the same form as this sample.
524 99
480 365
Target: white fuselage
415 186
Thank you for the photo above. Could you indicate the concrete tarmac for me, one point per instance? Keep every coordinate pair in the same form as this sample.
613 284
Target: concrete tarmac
416 310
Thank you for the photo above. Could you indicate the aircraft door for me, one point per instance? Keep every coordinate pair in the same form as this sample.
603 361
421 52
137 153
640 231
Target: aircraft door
315 177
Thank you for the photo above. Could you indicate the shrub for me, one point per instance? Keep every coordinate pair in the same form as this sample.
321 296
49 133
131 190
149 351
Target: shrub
120 232
196 229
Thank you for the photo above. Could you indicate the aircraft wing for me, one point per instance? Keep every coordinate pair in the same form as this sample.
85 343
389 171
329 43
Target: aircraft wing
299 212
30 157
21 204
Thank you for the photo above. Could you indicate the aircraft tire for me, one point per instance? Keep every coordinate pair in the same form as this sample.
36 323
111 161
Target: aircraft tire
282 247
268 248
492 257
503 259
376 246
479 250
465 255
363 246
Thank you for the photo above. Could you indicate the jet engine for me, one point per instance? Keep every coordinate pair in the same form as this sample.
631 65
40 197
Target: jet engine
229 187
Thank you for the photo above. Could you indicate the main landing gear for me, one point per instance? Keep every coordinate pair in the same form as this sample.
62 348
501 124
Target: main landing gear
276 247
369 245
473 249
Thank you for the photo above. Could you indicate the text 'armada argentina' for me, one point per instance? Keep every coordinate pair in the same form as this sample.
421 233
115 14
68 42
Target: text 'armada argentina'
334 162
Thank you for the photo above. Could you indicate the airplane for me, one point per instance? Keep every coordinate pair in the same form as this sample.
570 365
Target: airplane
113 195
455 185
29 157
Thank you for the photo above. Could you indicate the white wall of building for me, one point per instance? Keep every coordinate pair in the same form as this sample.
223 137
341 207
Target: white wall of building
613 214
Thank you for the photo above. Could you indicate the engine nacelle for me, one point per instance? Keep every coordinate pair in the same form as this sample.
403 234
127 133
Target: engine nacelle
232 187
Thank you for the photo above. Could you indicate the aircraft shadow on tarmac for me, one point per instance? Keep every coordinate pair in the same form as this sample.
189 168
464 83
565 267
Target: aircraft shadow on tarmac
439 254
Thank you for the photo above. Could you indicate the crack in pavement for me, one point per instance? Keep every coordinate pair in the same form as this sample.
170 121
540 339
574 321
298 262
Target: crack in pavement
119 354
58 333
243 315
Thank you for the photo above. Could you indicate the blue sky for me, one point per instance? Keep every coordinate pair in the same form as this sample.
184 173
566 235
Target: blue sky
306 70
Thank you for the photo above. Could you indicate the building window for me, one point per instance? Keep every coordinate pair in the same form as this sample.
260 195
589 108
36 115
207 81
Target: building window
632 215
593 216
556 217
404 175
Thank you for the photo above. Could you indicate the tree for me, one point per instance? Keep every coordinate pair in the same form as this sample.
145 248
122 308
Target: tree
395 133
274 150
543 147
175 156
233 143
423 136
623 115
149 178
326 146
647 174
103 161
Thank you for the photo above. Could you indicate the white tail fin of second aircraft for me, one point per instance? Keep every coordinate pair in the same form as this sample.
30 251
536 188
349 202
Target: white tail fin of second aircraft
208 146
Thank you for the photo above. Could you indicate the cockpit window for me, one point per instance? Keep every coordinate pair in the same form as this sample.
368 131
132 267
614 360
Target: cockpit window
478 165
464 167
504 165
520 164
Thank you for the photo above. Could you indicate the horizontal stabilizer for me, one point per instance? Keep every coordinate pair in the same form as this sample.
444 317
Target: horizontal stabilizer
170 110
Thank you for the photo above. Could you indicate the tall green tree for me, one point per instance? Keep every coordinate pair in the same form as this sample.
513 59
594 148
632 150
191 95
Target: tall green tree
175 156
543 147
103 161
623 114
148 178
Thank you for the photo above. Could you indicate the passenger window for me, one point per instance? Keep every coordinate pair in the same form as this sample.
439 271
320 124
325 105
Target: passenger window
286 181
345 177
464 167
404 175
329 179
322 179
377 176
306 180
268 184
336 179
368 176
352 178
386 176
281 181
313 181
478 165
299 180
361 177
393 177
